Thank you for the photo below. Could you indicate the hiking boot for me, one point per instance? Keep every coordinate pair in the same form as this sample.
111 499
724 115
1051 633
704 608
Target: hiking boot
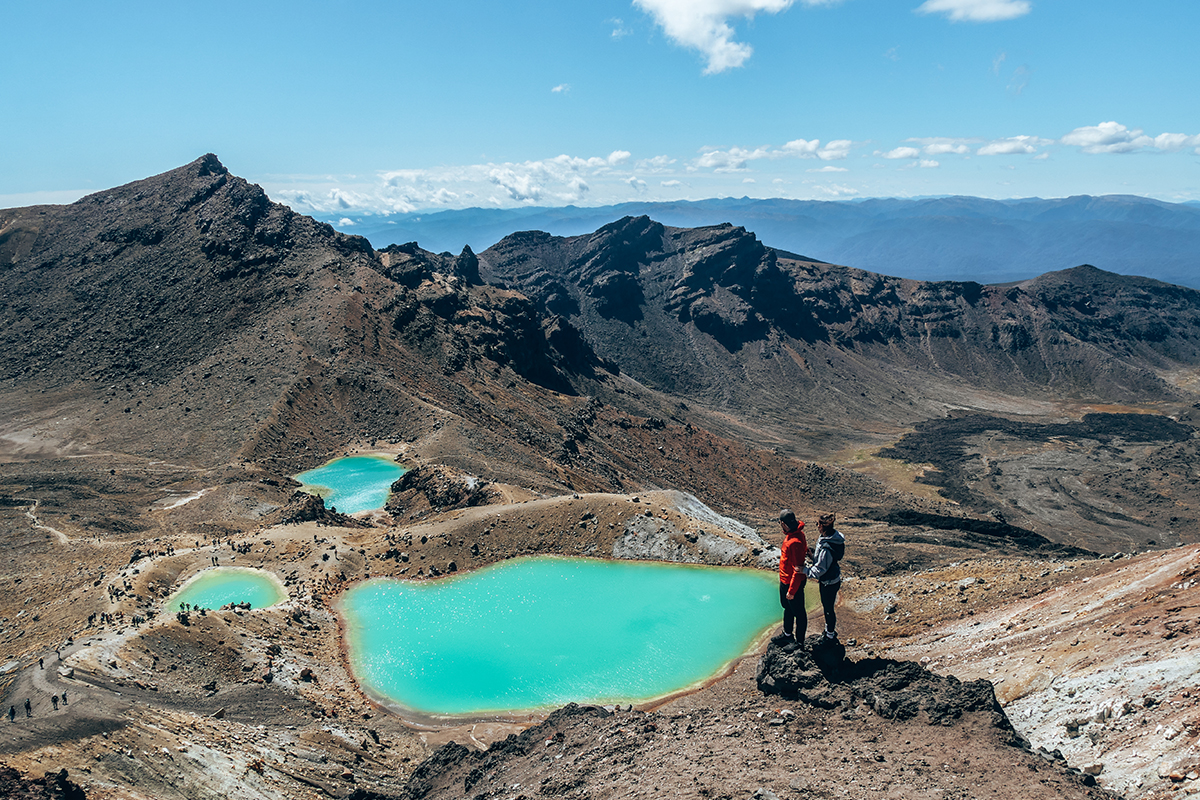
783 638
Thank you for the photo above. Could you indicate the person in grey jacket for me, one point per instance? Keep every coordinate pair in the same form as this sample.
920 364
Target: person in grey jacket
831 546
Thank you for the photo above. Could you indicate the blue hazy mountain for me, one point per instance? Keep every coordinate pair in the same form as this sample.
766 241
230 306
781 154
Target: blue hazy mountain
942 238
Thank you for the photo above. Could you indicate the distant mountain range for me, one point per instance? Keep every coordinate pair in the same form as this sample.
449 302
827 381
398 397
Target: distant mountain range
947 238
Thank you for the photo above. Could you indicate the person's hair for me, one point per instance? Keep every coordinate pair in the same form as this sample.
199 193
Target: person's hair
827 519
788 519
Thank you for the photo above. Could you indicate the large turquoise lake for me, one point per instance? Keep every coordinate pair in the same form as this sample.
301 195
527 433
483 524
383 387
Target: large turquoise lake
354 483
216 587
535 633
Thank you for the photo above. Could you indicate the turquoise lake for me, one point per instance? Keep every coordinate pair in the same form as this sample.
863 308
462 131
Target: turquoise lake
535 633
216 587
354 483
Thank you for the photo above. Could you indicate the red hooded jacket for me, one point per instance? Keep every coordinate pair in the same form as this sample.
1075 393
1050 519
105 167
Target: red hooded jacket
791 560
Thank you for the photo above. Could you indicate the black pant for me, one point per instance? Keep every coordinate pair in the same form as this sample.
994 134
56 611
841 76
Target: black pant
794 615
828 598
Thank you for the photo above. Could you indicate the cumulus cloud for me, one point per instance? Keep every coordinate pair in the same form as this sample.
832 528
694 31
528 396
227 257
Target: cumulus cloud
618 157
619 29
1107 137
835 150
828 168
732 160
670 184
636 183
929 163
703 25
562 88
655 164
736 159
1013 145
802 147
945 148
900 152
977 10
1113 137
1174 142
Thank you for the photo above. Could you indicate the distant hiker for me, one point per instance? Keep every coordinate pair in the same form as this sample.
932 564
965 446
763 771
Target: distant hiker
831 546
41 663
54 701
12 713
28 708
791 580
64 698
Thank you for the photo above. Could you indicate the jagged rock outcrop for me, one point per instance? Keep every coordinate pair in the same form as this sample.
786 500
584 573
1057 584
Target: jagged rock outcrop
52 786
305 507
436 487
822 676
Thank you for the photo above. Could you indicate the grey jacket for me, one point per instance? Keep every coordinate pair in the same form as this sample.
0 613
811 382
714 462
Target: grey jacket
829 552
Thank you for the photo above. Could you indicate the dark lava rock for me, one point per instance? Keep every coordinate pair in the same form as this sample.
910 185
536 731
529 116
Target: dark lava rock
452 754
53 786
900 690
305 507
436 487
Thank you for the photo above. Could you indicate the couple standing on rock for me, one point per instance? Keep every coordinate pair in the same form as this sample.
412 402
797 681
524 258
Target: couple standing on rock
794 573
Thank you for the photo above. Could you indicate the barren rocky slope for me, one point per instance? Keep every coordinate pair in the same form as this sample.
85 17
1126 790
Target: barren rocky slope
714 315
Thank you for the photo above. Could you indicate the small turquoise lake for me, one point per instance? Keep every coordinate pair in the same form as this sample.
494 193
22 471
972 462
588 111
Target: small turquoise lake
216 587
539 632
354 483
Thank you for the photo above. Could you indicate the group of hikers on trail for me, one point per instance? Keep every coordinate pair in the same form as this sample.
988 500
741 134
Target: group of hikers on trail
797 566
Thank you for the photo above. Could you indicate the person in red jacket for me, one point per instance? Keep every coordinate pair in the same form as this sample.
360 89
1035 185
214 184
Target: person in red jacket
791 580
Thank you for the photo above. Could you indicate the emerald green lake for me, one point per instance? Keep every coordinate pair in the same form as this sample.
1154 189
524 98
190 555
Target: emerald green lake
354 483
534 633
216 587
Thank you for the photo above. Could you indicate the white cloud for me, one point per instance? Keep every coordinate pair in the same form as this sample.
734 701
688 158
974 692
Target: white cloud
736 159
892 53
1174 142
636 183
1013 145
655 164
977 10
522 187
732 160
562 88
618 157
802 147
345 222
1107 137
835 150
749 180
998 61
619 29
900 152
828 168
835 190
1113 137
671 183
945 148
929 163
703 25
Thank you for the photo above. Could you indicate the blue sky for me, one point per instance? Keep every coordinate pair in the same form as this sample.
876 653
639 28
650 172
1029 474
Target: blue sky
372 107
